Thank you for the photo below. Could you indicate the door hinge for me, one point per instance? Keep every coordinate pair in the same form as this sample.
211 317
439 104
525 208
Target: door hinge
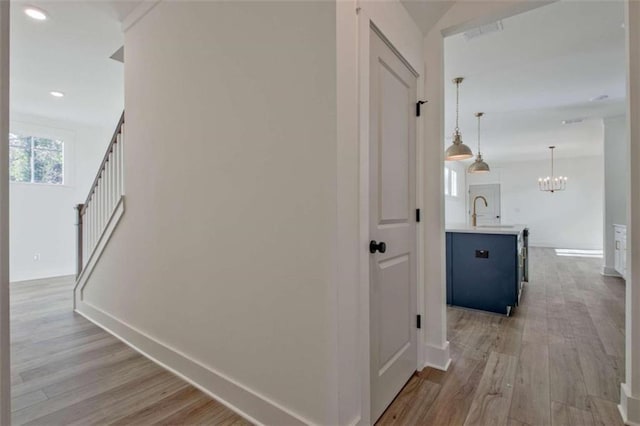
418 104
419 321
417 215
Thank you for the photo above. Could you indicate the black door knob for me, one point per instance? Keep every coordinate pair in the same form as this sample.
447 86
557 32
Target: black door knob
374 246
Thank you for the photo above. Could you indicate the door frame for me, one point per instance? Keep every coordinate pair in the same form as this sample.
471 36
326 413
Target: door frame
463 16
365 24
5 330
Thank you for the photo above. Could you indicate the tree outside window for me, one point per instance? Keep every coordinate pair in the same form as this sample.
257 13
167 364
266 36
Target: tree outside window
36 160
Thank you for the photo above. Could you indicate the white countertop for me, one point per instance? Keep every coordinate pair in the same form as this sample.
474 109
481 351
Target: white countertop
505 229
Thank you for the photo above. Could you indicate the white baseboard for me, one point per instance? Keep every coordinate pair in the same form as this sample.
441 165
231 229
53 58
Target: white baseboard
437 357
629 406
610 272
117 214
256 408
44 280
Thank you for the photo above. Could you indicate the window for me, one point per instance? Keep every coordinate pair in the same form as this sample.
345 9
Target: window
450 182
454 183
446 181
36 160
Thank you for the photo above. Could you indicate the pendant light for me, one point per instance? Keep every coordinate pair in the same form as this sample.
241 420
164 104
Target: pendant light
458 150
479 166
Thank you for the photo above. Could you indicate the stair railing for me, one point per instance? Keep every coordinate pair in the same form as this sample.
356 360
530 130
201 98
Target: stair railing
105 194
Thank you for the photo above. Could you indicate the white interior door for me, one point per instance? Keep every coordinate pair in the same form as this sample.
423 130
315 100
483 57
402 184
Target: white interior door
393 273
486 215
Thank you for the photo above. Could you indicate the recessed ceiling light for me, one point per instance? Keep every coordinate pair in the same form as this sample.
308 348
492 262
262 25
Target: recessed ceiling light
35 13
56 94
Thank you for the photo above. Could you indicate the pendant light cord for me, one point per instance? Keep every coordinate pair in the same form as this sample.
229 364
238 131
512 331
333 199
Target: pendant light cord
479 152
457 105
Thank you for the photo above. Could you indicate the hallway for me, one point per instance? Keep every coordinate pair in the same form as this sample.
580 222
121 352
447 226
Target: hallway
558 360
66 370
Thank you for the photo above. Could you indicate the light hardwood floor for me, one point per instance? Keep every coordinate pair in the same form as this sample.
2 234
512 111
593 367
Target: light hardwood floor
67 371
558 360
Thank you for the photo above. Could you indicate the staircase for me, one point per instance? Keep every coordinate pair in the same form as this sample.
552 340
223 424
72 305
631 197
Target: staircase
98 217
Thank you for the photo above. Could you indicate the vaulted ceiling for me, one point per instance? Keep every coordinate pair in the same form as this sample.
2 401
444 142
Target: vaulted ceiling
546 66
426 13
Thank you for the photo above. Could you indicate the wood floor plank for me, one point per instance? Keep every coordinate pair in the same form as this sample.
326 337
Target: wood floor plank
565 415
412 403
610 335
492 398
66 370
514 422
125 402
166 407
395 412
531 393
600 375
26 400
79 396
201 411
454 400
566 379
605 413
42 382
563 348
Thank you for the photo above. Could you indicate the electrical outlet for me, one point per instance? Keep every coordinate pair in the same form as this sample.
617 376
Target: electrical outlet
36 257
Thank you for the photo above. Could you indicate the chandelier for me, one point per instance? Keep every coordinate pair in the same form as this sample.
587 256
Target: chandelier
552 183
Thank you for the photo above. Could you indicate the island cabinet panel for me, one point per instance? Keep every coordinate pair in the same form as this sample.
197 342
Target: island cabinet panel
484 271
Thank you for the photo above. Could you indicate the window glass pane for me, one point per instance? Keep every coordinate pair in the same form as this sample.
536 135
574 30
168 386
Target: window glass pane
42 143
35 160
19 158
47 161
454 183
446 181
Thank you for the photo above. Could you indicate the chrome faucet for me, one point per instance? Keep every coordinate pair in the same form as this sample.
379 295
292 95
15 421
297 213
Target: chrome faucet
474 216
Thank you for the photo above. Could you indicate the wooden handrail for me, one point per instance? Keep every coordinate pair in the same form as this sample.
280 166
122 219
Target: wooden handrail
114 140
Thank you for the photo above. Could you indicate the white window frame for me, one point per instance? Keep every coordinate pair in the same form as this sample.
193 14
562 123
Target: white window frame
447 185
451 184
453 181
66 136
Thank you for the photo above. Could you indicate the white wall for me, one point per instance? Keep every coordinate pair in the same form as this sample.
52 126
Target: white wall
455 208
616 184
42 216
226 251
567 219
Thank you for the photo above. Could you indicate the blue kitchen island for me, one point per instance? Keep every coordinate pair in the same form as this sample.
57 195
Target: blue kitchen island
486 266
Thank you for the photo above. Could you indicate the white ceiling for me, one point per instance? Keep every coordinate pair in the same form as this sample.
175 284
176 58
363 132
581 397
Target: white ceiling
543 68
70 53
426 13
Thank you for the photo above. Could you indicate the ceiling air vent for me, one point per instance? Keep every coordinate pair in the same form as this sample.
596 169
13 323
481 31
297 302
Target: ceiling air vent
483 30
573 121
